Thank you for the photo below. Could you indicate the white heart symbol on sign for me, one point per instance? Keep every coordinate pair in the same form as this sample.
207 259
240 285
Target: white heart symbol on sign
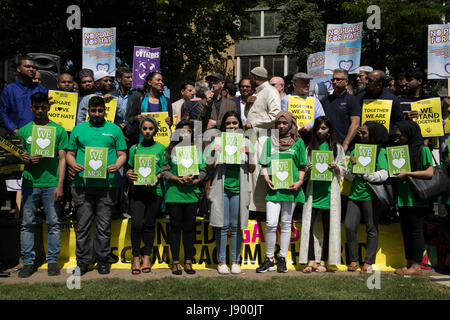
95 164
43 143
145 171
364 160
230 150
398 162
282 175
321 167
187 163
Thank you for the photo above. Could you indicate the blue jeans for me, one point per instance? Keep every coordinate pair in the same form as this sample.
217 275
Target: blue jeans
30 203
230 221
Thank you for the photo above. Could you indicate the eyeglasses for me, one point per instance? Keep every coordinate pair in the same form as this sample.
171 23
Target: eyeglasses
245 86
29 66
227 123
338 79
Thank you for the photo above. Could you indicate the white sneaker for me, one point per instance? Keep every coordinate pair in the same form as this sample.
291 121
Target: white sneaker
223 269
235 268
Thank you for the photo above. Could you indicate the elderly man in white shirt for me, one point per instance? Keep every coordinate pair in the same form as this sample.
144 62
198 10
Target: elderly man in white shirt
260 117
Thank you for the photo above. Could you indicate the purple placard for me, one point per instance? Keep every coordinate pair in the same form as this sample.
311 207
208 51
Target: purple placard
145 60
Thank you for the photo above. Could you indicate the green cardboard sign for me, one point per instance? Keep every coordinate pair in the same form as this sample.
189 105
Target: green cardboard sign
398 159
320 161
282 174
231 148
187 160
145 168
366 158
95 162
43 141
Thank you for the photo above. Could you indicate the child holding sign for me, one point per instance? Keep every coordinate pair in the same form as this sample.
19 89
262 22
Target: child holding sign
361 197
146 193
283 158
229 195
412 211
322 196
182 193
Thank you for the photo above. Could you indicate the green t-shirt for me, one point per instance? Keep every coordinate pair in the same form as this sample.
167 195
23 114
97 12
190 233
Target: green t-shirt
406 197
360 191
322 189
297 153
177 192
108 135
157 149
46 172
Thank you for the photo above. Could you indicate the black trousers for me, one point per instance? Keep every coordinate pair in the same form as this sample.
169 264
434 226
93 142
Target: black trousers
182 219
144 207
411 222
326 234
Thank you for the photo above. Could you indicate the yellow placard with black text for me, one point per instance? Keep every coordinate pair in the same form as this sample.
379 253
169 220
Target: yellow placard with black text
378 111
63 108
302 108
110 110
430 117
163 135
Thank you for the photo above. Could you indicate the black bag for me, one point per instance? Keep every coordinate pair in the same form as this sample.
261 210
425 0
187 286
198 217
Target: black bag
428 189
384 192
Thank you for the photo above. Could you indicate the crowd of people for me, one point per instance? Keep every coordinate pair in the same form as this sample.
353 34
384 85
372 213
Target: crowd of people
258 108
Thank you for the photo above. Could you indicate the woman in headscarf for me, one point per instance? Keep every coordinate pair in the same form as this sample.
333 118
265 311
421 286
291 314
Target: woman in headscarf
412 211
283 144
361 197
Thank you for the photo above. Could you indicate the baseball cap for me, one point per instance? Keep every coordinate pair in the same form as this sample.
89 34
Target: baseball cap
301 75
215 75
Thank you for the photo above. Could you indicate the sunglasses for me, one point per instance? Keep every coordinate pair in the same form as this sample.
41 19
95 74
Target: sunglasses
227 123
338 79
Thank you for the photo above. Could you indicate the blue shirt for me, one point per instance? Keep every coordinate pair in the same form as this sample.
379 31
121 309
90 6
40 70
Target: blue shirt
15 104
122 102
318 110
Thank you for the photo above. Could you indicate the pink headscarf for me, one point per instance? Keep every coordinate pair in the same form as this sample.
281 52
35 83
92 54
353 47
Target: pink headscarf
286 141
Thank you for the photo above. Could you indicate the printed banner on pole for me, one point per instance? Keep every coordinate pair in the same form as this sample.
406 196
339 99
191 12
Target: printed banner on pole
438 51
63 108
430 118
145 60
99 49
343 47
163 135
302 108
316 63
377 110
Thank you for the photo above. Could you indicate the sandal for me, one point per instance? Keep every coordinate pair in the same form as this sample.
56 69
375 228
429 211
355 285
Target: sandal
367 269
309 269
146 270
136 271
400 271
188 270
321 268
176 269
353 267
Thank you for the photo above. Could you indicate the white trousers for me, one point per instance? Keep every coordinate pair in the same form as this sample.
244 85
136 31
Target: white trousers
273 210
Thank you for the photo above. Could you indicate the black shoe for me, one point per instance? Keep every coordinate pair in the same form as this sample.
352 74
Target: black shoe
26 271
103 267
188 270
266 266
4 274
281 265
81 269
53 270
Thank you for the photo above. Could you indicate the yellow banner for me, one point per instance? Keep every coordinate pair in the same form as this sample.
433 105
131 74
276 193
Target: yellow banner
345 184
377 110
12 168
163 135
110 110
447 124
15 150
389 256
63 108
430 117
302 108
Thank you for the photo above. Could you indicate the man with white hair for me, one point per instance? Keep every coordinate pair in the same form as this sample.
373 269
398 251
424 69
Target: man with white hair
104 85
278 83
361 77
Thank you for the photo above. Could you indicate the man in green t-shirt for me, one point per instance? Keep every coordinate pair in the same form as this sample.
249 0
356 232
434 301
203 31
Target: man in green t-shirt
42 179
94 196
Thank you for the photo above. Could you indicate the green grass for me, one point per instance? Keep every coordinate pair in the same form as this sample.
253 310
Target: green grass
324 287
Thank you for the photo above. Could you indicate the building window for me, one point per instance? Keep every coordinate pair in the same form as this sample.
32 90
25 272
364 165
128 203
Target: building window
274 65
253 26
247 64
270 22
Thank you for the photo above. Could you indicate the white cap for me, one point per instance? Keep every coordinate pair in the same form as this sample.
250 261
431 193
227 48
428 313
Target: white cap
100 74
365 69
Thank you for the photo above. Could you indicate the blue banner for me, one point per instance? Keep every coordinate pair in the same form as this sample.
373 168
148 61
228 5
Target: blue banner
315 64
99 49
439 51
343 47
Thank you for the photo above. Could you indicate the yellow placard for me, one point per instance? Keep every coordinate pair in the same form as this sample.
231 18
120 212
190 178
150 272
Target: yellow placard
302 108
430 117
110 110
447 124
345 184
377 110
163 135
63 108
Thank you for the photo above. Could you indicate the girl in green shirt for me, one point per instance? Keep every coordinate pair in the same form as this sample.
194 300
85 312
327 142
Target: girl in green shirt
412 211
145 201
361 197
182 197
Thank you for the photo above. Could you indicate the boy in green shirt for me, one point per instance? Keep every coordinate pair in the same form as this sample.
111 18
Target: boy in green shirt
42 180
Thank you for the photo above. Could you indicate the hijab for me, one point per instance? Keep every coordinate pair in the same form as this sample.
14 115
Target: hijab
411 130
284 142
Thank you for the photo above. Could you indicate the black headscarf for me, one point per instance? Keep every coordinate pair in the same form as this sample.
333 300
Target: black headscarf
411 130
378 134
